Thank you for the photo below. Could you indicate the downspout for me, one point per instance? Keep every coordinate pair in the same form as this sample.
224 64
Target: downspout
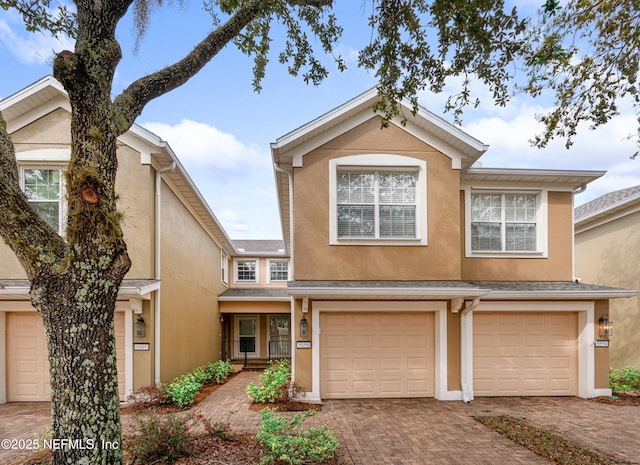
466 352
578 190
291 273
156 310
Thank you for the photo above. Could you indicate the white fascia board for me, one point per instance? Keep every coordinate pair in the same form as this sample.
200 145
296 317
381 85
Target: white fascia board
42 83
561 295
384 291
253 299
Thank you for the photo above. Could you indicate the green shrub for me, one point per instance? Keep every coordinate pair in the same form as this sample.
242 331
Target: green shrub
274 384
159 439
219 371
286 441
624 379
183 390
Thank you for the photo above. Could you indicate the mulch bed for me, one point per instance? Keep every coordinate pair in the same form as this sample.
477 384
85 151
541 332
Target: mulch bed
621 399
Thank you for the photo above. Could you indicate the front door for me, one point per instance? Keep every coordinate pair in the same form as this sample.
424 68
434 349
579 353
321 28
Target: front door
279 337
248 336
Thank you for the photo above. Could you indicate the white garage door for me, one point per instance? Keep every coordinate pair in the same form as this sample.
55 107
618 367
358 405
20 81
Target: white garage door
525 354
375 355
27 361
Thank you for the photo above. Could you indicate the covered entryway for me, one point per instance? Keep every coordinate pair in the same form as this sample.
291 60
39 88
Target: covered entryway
525 354
27 360
377 355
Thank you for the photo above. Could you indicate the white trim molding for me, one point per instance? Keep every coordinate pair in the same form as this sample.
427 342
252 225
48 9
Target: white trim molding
382 162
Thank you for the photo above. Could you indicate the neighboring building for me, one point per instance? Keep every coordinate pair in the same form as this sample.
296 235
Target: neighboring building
607 247
256 310
420 275
175 243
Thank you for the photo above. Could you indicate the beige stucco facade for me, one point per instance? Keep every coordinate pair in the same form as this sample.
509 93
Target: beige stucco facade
438 279
174 242
607 254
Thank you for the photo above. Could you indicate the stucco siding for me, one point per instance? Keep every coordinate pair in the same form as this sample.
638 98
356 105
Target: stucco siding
556 267
316 259
607 255
190 284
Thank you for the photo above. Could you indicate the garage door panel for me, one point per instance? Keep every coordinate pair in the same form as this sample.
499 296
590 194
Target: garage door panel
534 354
28 362
397 359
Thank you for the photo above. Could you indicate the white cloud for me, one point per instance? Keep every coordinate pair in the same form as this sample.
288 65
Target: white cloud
235 178
201 145
29 48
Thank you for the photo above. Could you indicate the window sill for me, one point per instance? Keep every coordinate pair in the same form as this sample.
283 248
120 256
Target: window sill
380 242
506 255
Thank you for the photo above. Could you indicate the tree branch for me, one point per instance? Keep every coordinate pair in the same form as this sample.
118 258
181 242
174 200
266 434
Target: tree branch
131 102
35 243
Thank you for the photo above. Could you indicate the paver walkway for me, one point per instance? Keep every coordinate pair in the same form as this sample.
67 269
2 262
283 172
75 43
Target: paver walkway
410 431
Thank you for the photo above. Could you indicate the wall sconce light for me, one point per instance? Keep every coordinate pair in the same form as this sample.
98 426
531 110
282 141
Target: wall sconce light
304 327
140 327
605 327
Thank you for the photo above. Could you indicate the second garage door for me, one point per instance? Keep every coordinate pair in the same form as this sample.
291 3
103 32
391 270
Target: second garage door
376 355
525 354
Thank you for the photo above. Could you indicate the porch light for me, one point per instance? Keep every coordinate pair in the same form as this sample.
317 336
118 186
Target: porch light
140 327
304 327
605 326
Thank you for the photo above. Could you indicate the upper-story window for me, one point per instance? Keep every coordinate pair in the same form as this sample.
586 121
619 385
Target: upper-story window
224 267
378 199
44 190
507 223
246 270
278 271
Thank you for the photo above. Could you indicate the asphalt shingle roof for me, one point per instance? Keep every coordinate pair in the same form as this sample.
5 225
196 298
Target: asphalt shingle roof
259 246
604 202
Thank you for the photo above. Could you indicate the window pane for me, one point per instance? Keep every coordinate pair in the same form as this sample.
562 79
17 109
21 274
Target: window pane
279 271
42 184
247 271
48 211
486 236
356 221
356 187
398 221
486 207
520 236
397 188
520 207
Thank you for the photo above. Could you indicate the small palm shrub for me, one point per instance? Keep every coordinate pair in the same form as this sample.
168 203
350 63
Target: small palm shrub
287 441
274 384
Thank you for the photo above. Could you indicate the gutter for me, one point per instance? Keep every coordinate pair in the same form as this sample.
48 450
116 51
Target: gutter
156 310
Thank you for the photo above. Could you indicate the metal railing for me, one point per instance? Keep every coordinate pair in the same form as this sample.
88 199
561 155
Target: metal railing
245 350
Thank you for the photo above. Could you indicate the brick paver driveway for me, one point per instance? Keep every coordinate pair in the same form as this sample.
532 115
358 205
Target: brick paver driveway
414 431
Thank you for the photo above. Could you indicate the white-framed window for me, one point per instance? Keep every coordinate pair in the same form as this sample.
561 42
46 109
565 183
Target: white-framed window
44 189
224 267
506 223
378 199
278 271
246 270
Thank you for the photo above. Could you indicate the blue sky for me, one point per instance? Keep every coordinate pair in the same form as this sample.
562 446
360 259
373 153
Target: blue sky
221 130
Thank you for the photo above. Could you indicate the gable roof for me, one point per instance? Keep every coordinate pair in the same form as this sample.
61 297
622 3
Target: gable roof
607 205
289 150
259 246
47 94
452 141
